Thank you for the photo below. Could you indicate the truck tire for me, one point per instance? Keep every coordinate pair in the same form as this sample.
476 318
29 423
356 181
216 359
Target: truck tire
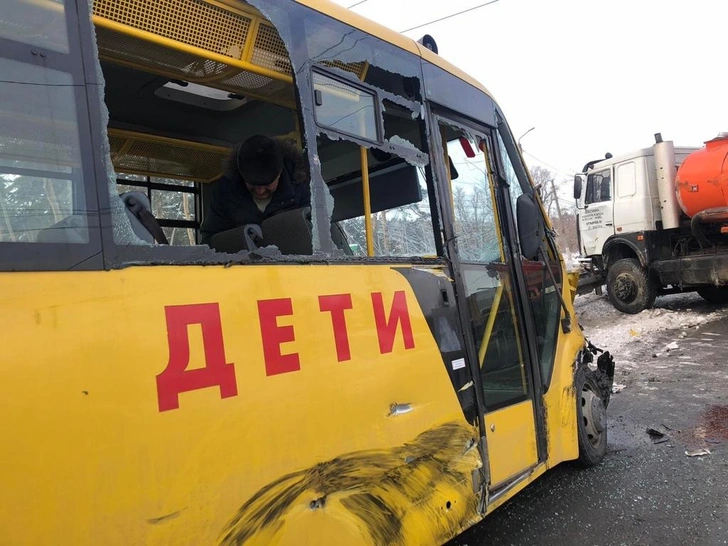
591 414
714 294
630 287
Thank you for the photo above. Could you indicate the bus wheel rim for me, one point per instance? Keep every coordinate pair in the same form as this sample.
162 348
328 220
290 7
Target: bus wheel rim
594 415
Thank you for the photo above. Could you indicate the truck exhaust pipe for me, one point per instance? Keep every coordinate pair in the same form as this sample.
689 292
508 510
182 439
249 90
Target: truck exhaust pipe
666 170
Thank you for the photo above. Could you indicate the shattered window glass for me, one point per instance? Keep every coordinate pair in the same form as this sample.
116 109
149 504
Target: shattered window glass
389 72
402 126
363 75
401 219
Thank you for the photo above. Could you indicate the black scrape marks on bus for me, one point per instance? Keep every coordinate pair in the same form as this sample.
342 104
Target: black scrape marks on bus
162 519
375 488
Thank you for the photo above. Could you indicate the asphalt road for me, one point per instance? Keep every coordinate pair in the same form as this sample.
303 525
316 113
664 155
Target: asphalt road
644 493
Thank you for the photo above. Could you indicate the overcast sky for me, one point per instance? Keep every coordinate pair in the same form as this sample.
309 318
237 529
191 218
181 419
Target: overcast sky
591 75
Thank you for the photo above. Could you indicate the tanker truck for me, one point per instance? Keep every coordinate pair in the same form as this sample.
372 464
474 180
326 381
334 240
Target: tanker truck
655 221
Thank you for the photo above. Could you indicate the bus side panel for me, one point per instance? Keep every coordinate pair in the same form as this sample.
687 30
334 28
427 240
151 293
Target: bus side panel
560 402
560 399
193 405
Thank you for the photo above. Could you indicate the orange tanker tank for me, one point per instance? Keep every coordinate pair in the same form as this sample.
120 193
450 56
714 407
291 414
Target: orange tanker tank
702 180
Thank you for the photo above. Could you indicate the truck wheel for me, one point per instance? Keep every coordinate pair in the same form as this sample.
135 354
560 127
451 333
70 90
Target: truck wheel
714 294
630 287
591 413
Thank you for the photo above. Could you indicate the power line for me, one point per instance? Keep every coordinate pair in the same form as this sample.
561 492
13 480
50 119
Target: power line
356 4
451 15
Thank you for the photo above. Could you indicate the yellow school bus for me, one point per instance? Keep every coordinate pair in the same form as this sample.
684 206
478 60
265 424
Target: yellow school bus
384 364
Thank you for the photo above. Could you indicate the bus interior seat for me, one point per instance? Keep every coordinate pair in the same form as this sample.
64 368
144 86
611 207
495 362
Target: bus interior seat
72 229
291 232
237 239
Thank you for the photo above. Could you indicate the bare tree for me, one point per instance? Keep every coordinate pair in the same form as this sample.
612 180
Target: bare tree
561 214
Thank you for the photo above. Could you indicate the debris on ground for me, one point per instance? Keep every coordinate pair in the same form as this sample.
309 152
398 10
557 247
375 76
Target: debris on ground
617 387
654 433
672 346
698 452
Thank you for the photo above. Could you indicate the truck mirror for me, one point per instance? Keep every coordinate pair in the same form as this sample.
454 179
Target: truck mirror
531 227
577 186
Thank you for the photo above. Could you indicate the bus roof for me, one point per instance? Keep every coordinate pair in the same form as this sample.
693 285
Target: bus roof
327 7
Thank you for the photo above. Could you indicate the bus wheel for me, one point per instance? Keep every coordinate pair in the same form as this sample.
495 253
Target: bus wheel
630 287
714 294
591 412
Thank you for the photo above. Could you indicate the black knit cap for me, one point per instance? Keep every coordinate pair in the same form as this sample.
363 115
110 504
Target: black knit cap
259 160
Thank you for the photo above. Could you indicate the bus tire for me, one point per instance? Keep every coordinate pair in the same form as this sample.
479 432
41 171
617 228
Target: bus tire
630 287
591 414
714 294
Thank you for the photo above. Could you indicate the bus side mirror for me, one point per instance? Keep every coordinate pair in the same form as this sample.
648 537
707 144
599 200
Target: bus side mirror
531 227
577 186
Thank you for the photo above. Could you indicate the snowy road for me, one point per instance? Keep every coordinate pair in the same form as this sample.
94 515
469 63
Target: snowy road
673 364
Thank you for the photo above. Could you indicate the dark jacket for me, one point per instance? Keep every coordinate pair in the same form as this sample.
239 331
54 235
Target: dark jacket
231 204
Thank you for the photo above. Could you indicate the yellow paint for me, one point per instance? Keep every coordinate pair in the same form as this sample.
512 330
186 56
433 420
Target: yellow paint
560 399
367 200
511 436
185 48
89 457
573 283
213 155
489 325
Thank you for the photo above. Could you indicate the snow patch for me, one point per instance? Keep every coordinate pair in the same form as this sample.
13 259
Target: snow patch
620 333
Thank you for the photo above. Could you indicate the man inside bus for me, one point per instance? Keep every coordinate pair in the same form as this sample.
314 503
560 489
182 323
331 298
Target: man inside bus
264 177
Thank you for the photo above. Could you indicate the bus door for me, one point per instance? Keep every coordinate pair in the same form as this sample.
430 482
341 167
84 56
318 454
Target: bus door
495 322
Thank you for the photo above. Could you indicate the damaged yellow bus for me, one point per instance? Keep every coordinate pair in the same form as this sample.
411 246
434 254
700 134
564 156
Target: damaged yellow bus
385 365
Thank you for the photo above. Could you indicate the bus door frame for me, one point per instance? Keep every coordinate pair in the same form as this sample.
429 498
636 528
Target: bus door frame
435 115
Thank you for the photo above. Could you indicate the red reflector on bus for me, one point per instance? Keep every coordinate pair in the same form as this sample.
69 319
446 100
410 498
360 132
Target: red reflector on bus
467 148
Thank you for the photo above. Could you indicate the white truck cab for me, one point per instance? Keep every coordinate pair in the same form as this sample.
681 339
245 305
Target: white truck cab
619 196
633 235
